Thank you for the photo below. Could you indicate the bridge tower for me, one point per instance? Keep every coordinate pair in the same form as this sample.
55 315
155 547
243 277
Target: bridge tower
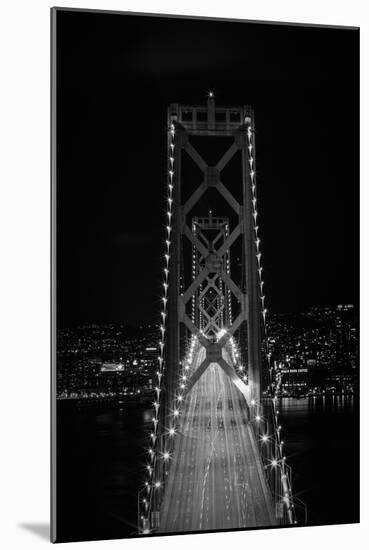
212 298
211 302
243 299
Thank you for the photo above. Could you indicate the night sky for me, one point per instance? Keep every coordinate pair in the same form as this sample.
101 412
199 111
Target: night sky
117 74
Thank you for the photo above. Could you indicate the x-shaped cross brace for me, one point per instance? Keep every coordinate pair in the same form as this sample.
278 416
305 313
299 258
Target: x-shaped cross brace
214 355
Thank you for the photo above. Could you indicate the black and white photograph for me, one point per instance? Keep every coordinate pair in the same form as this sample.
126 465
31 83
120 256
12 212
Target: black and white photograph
205 275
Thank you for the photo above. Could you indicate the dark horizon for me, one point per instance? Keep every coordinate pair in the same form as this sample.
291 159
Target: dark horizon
117 76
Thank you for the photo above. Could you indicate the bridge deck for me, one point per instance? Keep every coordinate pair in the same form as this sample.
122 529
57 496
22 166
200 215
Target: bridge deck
216 480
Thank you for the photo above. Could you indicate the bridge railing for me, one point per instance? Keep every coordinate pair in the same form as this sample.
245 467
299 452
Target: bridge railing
264 418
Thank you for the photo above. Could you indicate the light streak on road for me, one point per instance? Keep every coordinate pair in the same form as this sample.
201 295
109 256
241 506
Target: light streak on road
216 478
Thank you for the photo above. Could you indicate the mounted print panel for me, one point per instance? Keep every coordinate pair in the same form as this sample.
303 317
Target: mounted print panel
205 198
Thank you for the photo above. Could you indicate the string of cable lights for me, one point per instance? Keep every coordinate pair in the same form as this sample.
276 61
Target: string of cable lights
278 460
152 483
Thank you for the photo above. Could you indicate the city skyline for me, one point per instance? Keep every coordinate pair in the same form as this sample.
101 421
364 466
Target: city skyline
299 343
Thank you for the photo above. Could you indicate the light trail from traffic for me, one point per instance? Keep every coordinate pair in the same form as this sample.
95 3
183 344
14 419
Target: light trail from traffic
216 479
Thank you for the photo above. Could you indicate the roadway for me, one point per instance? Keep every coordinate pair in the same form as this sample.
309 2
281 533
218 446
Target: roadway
216 478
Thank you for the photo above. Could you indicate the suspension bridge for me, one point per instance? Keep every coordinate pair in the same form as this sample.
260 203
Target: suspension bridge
215 458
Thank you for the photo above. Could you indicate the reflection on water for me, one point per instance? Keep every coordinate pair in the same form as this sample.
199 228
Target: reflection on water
101 457
100 465
321 437
147 416
338 403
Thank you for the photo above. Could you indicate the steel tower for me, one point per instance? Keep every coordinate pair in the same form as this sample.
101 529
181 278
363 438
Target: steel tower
211 122
212 318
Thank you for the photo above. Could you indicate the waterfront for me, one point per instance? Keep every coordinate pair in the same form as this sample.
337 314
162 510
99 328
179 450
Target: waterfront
322 446
101 456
